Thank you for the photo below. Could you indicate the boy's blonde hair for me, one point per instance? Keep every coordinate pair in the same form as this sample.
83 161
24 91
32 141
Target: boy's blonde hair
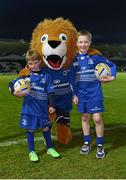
85 33
32 55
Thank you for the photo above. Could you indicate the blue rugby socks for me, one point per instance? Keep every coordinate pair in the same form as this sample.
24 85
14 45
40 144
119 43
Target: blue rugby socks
87 138
30 140
47 136
100 140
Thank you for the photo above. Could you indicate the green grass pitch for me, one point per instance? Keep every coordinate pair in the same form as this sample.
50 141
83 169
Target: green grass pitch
14 161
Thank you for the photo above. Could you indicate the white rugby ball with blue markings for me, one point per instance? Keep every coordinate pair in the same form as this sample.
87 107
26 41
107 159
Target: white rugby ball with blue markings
22 85
102 70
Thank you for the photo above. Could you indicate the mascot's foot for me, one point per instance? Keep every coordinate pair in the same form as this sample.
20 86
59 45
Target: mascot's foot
64 134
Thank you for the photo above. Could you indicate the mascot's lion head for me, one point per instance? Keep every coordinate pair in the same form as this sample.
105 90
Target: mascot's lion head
55 41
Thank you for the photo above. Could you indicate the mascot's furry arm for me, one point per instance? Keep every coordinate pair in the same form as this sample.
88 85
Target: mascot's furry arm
24 72
93 51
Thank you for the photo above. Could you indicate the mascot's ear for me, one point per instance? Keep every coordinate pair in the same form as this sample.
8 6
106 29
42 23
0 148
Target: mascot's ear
24 72
92 51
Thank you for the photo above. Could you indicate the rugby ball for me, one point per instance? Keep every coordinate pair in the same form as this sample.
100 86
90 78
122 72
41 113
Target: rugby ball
22 85
102 70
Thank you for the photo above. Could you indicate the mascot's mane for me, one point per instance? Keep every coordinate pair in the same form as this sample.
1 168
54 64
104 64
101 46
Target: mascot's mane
53 28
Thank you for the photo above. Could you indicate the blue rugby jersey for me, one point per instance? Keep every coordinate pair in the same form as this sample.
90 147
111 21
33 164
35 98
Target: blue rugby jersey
88 87
62 87
36 102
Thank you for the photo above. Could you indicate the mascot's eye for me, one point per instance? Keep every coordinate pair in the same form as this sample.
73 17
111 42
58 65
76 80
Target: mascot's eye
63 37
44 38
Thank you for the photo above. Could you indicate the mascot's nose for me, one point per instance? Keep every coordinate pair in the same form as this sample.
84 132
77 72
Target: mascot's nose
54 44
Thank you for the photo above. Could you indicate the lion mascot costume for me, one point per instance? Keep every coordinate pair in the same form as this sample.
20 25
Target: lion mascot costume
55 41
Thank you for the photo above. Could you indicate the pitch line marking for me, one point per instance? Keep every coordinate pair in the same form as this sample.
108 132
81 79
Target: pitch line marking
21 141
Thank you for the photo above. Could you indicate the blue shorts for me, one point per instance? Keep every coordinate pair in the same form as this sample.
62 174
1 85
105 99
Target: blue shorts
63 117
91 107
33 122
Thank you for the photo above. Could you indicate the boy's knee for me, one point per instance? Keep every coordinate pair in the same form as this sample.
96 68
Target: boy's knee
85 117
97 120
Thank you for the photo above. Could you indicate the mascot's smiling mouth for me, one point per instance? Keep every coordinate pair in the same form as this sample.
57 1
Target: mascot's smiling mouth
54 60
54 53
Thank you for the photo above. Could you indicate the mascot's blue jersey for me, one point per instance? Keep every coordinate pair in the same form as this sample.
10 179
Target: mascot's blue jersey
36 102
88 87
62 87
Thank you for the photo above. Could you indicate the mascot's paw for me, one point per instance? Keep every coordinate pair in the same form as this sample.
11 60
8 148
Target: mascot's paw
64 134
52 117
24 72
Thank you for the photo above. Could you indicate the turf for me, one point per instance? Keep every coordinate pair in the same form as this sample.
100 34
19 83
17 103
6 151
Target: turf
14 161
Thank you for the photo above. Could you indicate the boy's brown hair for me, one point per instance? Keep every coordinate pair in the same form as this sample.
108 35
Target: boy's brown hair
32 55
85 32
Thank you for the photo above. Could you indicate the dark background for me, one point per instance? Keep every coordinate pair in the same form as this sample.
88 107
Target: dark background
105 19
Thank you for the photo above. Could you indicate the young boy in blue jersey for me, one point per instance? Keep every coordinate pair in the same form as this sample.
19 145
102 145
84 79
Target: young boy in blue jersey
36 105
89 97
